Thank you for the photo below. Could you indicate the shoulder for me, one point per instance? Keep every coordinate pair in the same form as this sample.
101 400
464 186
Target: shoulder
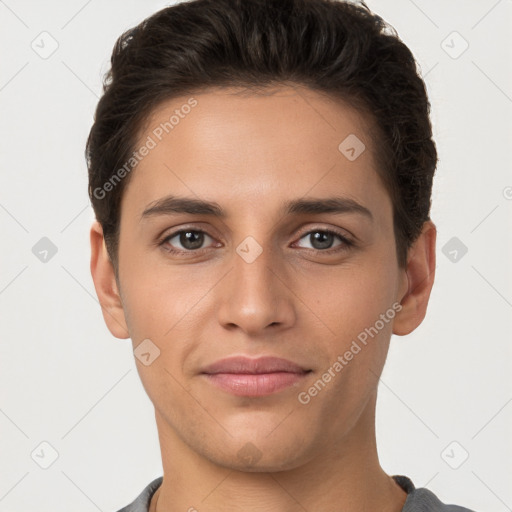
141 503
418 500
423 500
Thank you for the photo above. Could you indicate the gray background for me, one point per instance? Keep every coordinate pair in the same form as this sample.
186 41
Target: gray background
446 391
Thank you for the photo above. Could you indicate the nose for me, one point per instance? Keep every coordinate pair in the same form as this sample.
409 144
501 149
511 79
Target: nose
255 296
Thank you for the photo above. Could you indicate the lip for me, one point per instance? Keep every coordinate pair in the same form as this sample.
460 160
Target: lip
243 376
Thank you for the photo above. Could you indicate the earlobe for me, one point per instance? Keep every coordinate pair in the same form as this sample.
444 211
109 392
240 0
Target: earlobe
103 275
420 270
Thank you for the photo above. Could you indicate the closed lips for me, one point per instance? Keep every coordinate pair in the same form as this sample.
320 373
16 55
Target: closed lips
261 365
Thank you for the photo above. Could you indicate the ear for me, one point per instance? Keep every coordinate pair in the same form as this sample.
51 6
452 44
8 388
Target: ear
105 284
420 272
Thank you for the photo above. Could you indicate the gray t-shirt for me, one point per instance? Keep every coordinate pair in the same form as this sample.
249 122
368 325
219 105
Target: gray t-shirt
418 500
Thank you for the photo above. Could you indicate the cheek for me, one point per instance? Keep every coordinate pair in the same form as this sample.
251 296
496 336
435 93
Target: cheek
158 296
168 306
351 298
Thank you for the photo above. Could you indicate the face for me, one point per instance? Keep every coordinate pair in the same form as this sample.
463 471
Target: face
293 257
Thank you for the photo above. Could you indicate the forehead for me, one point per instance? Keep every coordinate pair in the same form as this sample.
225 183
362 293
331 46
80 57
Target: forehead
245 146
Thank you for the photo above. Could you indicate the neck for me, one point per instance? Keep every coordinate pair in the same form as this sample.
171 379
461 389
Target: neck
345 475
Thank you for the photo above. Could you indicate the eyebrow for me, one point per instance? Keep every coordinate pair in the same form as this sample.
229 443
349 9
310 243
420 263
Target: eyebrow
172 204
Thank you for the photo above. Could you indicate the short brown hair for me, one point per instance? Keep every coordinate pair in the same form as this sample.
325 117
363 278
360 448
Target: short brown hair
333 46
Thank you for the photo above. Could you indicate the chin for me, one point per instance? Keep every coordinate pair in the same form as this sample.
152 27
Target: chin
258 454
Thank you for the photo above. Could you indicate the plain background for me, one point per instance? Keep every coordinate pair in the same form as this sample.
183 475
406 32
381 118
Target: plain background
446 391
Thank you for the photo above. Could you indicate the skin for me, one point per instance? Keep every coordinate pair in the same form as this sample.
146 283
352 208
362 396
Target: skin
250 153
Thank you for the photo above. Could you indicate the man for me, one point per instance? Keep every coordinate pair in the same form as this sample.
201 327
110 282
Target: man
261 173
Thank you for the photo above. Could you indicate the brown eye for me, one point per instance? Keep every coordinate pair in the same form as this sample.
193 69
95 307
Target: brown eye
323 239
189 239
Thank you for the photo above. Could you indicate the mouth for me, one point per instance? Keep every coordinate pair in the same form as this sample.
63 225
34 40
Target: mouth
243 376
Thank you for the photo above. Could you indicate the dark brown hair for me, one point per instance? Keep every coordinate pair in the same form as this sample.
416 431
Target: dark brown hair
330 46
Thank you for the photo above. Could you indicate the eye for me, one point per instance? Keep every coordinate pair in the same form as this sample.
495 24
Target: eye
190 240
193 240
323 239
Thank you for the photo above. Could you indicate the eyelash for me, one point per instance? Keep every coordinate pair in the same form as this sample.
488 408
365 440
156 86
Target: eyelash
346 243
